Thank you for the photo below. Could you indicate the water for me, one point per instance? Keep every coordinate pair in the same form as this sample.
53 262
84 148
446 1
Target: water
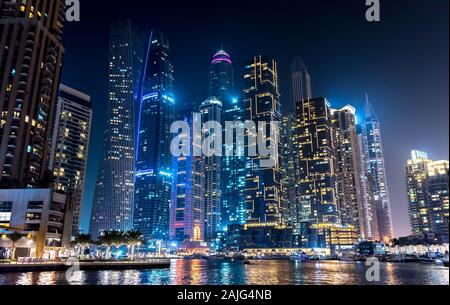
277 272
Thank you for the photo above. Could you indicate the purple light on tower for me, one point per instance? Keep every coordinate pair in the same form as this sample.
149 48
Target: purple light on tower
221 56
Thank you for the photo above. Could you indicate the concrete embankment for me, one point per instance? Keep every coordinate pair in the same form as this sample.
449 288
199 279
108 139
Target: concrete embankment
91 265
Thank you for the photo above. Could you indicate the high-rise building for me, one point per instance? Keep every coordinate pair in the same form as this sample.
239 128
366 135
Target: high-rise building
187 210
289 153
369 218
221 83
70 147
264 189
153 177
300 84
348 168
427 184
374 156
211 110
221 79
31 55
316 174
113 199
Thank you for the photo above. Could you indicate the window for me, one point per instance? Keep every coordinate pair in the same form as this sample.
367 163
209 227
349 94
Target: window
5 211
35 205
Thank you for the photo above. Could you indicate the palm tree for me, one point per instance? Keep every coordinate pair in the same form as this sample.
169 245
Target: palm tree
14 237
112 238
134 238
82 241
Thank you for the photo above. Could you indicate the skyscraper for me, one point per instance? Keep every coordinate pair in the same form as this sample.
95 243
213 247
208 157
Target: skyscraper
31 55
221 82
348 168
70 147
263 191
113 199
374 156
187 210
300 84
221 79
211 110
316 174
153 181
427 184
369 217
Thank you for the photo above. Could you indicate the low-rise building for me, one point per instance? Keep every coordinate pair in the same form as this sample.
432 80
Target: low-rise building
42 216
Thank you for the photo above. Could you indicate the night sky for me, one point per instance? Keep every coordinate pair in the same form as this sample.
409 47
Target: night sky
401 62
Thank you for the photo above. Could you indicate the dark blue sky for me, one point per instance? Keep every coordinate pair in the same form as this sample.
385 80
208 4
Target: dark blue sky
401 62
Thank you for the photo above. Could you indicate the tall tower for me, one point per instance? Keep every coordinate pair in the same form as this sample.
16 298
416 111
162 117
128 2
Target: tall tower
187 210
369 217
31 55
153 181
300 83
316 176
70 147
348 168
221 80
261 96
113 199
211 110
373 152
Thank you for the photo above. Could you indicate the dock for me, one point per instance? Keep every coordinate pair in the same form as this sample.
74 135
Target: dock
159 263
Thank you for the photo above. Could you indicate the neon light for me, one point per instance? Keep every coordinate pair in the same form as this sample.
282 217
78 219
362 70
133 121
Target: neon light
166 174
221 59
149 96
144 173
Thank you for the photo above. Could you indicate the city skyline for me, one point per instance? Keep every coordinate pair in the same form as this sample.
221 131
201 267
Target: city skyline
391 126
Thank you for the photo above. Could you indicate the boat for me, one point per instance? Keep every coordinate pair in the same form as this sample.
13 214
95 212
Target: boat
217 257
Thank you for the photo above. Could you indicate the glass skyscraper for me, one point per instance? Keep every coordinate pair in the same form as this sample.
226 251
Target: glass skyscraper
211 110
374 156
153 177
113 199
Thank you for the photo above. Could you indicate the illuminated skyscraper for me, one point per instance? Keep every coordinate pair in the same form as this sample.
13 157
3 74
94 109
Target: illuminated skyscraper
113 199
316 176
70 147
427 184
211 110
187 210
31 55
374 156
348 168
263 193
369 217
153 181
221 79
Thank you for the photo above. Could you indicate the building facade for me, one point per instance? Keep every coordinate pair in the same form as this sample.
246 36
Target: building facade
44 216
187 210
211 110
113 200
70 147
300 84
374 156
427 184
153 167
30 64
263 189
348 169
316 174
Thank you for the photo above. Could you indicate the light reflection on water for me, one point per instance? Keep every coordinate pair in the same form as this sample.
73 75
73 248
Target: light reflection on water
277 272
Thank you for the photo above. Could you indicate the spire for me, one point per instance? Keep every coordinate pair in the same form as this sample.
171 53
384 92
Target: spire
369 113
